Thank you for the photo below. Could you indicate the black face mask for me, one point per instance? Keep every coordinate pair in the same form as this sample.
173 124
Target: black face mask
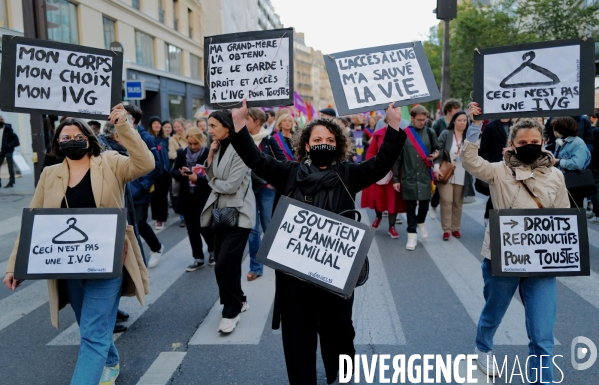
73 149
322 154
528 153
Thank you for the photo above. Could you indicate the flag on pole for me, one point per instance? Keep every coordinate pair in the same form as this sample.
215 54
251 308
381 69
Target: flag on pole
299 103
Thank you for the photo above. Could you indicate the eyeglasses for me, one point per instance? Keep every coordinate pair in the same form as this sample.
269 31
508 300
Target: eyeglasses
66 138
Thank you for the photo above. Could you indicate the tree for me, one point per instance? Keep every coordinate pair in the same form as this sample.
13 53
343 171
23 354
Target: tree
433 48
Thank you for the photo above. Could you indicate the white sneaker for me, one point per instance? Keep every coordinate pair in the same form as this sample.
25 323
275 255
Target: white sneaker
412 241
590 214
594 220
485 362
432 212
227 325
486 222
155 257
245 307
422 230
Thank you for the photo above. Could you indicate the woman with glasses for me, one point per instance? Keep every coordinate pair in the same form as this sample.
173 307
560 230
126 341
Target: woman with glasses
90 179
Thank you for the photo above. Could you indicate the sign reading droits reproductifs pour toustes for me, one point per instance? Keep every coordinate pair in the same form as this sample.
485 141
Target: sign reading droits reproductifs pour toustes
316 245
370 78
539 79
255 65
71 243
48 77
539 242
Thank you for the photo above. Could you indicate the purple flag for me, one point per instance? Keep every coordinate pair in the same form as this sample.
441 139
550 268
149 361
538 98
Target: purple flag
299 103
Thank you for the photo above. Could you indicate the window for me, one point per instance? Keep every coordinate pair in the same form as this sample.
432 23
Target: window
144 49
197 70
135 5
176 106
109 31
196 104
173 59
175 15
160 13
190 22
62 21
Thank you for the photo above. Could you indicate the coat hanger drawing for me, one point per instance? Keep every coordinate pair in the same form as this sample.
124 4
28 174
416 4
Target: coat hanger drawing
528 57
71 222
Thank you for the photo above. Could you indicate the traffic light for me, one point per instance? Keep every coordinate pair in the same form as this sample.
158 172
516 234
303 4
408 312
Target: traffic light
447 9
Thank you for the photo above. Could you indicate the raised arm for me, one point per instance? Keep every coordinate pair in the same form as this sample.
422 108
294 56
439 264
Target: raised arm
472 162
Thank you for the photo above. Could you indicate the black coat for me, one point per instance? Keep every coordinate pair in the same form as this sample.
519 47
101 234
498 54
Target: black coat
282 174
492 141
268 146
188 203
10 140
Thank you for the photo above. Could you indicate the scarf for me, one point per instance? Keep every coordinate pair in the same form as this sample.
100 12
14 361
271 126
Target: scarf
317 187
191 158
545 160
259 136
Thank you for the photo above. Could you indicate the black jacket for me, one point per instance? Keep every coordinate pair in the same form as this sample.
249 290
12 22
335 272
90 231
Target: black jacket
10 140
188 203
268 146
492 141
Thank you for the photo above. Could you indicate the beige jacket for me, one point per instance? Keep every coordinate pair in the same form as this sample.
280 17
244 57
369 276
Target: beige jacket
545 181
174 143
109 174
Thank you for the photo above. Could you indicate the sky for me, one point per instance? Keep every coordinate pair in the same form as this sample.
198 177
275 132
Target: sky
341 25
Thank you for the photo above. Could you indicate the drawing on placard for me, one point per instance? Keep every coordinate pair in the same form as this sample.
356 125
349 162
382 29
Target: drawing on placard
71 222
528 57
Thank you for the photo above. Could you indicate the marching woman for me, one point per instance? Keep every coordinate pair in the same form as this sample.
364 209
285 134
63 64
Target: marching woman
320 177
525 179
159 202
231 210
177 141
90 179
194 191
284 135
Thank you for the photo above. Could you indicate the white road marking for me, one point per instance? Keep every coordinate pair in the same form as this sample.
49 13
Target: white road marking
22 302
162 368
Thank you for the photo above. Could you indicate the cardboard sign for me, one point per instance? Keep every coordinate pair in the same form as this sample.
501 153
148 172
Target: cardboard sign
554 78
47 77
369 79
316 245
254 65
539 242
71 243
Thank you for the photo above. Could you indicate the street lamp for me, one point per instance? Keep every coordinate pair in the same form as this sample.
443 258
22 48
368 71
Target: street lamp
447 10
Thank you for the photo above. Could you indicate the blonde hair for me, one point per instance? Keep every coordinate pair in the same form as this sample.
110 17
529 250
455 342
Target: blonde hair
197 134
524 124
280 120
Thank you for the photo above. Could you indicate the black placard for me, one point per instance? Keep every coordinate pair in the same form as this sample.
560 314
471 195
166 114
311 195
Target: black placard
539 242
48 77
255 65
369 79
71 243
552 78
316 245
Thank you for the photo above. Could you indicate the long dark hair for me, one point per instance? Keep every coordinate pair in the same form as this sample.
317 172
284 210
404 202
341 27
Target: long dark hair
344 144
225 118
451 125
94 148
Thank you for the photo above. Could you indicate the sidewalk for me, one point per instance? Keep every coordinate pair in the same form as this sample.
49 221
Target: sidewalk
12 202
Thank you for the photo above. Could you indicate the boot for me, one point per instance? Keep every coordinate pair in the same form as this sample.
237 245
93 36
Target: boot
412 241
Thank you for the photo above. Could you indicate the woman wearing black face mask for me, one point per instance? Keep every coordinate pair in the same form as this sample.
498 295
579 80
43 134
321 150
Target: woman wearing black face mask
322 178
525 179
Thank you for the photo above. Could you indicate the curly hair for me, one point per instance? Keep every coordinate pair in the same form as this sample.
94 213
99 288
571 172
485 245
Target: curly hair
345 146
565 125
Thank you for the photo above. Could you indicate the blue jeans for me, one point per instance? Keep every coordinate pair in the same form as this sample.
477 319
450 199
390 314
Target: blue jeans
265 199
95 303
539 296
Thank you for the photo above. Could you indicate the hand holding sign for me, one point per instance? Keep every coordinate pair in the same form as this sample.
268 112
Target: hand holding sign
474 109
393 116
239 115
118 115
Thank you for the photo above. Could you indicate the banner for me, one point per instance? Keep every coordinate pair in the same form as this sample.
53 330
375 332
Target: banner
539 242
370 78
553 78
71 243
254 65
316 245
48 77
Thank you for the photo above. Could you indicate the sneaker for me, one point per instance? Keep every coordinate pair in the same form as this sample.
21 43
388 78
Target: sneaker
398 221
589 205
155 257
422 230
412 241
485 362
211 260
376 222
196 265
456 234
432 212
9 185
446 236
110 374
122 315
385 214
393 233
245 307
159 225
182 224
594 220
590 214
227 325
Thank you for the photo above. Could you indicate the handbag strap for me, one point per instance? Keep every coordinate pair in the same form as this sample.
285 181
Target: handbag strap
537 201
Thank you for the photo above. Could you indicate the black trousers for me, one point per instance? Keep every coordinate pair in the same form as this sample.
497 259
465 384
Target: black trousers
194 231
11 166
577 202
436 199
413 218
229 245
488 208
392 217
146 232
308 313
160 198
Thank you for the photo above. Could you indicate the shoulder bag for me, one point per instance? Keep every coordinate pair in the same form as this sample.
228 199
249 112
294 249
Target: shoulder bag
447 168
580 182
226 217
